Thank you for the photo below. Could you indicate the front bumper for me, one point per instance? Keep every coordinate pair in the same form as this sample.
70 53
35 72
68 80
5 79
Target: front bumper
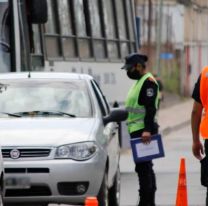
54 181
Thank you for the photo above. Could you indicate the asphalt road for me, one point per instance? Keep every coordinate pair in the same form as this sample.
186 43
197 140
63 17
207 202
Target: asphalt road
177 145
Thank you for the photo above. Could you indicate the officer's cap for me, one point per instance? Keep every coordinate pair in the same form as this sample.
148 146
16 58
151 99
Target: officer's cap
133 59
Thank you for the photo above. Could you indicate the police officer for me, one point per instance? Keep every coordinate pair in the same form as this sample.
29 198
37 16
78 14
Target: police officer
199 122
141 103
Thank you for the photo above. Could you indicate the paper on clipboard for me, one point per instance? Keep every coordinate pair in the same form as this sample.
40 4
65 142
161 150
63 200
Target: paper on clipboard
147 149
145 152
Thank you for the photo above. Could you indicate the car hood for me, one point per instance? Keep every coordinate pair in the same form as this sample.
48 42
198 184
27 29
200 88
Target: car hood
45 131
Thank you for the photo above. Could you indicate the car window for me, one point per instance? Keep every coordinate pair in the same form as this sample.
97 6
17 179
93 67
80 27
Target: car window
43 95
104 107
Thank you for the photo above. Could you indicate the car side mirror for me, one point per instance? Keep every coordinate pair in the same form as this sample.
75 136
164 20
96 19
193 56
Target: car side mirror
116 115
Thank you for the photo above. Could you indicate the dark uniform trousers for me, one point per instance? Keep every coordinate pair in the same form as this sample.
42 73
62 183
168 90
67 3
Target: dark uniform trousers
146 177
147 183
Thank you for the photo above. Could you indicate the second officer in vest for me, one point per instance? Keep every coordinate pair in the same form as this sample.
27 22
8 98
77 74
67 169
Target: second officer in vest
141 103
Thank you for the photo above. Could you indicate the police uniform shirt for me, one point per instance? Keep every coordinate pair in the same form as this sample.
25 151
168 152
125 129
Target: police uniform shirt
147 98
196 91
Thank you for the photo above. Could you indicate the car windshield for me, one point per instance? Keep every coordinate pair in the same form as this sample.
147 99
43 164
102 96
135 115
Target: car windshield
34 98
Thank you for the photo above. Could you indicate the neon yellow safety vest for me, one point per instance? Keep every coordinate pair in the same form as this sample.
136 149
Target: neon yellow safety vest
136 112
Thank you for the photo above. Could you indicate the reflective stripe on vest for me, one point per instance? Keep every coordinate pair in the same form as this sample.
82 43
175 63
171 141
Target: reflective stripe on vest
135 110
136 114
204 100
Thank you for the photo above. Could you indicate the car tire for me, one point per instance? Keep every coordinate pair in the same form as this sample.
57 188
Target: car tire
114 191
103 192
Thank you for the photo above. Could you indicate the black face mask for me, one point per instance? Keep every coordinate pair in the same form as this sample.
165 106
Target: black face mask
134 75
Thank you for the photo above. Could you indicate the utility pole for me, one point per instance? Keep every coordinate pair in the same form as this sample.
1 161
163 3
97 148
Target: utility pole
149 28
158 40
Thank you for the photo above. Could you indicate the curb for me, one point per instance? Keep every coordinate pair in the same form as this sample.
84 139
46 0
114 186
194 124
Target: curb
176 127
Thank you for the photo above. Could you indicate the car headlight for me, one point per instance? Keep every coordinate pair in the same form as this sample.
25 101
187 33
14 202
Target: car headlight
78 151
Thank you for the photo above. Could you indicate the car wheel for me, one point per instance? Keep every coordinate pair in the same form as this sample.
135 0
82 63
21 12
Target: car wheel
103 193
114 191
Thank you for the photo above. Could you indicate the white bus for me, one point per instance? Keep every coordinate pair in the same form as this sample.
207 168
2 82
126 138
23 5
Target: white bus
83 36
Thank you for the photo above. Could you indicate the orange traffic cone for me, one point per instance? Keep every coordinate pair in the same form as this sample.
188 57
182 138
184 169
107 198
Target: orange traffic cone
181 198
91 201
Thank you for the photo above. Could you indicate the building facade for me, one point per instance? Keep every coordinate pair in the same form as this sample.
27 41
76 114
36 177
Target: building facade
174 35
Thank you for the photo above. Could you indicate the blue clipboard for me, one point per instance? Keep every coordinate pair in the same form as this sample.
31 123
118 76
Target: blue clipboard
146 152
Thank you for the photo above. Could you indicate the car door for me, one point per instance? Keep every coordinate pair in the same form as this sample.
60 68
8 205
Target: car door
110 132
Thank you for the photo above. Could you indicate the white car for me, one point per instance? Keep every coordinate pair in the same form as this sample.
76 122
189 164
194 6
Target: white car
59 140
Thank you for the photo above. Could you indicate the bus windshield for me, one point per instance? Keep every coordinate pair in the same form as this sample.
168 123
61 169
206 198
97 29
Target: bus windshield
5 55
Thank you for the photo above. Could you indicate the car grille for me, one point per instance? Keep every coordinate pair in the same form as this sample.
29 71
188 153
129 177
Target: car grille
38 190
27 153
26 170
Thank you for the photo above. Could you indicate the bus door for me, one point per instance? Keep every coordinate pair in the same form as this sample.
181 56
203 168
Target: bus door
20 37
5 36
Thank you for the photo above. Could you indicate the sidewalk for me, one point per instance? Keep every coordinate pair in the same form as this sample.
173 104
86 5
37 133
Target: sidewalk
174 114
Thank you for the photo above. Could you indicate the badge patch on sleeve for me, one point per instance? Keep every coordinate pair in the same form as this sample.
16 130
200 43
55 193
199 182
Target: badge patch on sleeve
150 92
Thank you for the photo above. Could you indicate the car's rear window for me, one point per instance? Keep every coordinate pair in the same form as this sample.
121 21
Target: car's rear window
22 96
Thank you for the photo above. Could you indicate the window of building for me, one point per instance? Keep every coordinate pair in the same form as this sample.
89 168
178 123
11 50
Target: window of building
130 20
37 39
122 28
37 52
64 17
52 30
96 23
95 19
67 28
130 23
82 28
110 28
121 20
51 25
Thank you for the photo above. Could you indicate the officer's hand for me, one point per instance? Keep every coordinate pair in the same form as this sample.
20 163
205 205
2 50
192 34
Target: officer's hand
146 137
197 149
